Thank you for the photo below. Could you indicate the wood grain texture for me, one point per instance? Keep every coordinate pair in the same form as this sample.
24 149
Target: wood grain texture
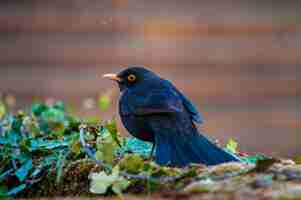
238 61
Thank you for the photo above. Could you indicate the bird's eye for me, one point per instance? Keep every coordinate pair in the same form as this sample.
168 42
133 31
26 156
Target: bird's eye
131 78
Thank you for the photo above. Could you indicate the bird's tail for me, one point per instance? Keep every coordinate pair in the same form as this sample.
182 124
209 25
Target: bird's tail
181 149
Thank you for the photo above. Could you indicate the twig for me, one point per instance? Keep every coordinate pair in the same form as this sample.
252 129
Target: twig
88 149
6 174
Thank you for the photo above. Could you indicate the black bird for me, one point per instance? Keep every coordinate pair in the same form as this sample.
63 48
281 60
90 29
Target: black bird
154 110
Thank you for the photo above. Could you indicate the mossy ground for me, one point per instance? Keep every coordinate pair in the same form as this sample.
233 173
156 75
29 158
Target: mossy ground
46 153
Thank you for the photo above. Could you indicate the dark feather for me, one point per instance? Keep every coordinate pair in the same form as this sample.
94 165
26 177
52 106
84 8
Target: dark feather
179 145
152 109
190 107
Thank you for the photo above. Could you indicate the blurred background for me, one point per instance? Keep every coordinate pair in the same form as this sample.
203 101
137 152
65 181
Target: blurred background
239 61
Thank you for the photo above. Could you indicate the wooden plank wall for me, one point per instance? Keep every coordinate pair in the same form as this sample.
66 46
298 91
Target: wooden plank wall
238 60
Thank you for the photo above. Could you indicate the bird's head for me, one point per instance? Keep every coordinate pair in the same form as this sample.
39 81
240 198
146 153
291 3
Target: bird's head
132 76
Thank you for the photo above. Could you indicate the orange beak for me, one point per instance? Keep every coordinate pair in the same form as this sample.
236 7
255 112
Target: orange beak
113 77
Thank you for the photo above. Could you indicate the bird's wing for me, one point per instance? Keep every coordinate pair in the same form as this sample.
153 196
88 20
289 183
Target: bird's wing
194 113
162 100
190 107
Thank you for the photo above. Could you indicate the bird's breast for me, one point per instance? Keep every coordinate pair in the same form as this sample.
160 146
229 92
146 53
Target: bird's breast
135 125
138 127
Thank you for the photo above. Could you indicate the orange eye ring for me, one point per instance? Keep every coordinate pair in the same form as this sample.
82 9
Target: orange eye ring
131 78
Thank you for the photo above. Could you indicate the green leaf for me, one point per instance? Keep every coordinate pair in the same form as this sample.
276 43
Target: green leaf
38 108
106 153
104 102
6 173
16 190
2 110
59 105
23 171
21 157
164 171
131 163
298 159
92 120
46 144
13 137
3 192
101 182
112 128
106 147
76 147
253 159
59 166
232 146
136 146
53 115
120 185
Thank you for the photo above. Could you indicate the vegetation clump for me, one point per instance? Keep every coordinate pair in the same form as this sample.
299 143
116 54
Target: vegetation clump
45 151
